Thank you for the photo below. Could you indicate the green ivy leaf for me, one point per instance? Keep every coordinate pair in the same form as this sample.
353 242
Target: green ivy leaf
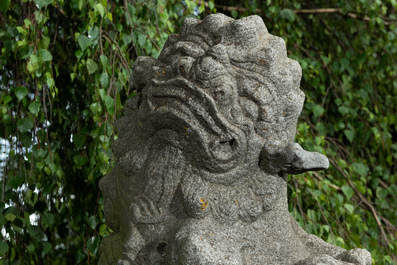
164 17
53 167
84 42
50 82
7 119
348 191
79 140
80 160
35 232
104 61
42 3
72 76
359 168
349 207
40 18
234 14
10 217
16 181
34 63
3 248
92 245
127 39
321 129
92 222
7 99
26 139
325 59
317 110
25 125
31 248
142 39
4 4
47 246
47 220
80 256
344 63
211 5
362 93
103 230
44 43
102 93
109 102
349 135
122 79
45 55
104 79
21 92
34 107
92 66
288 14
78 54
343 110
19 222
101 9
202 7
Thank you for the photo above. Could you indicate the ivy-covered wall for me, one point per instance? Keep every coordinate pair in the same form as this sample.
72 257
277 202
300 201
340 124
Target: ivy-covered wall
65 75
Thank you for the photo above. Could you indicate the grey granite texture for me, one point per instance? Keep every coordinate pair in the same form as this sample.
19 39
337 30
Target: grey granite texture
204 152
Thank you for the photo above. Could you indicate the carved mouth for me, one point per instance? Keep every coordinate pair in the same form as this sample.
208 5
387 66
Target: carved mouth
230 142
191 112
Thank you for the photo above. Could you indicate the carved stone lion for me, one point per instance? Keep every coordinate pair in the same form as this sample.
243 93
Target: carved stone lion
204 152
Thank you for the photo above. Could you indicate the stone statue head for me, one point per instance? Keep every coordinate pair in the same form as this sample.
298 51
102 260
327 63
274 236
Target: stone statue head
230 85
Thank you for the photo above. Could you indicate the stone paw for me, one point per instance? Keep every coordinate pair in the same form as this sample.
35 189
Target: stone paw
125 260
356 256
110 249
323 260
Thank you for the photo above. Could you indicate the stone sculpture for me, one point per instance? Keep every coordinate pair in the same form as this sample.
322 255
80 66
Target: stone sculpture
204 152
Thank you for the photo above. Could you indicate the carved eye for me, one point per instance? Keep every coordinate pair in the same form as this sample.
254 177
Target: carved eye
219 95
183 65
181 69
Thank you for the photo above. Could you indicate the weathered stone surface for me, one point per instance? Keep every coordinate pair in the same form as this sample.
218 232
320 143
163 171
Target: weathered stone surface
204 153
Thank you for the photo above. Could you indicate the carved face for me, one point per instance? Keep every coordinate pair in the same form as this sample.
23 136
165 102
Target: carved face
230 98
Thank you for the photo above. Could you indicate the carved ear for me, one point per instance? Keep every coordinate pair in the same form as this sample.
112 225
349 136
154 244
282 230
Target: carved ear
297 160
142 71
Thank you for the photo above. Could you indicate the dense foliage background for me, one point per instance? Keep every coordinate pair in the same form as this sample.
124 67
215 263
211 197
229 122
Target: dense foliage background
65 75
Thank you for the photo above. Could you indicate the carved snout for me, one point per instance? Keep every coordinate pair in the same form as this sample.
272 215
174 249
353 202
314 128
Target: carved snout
292 159
297 160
